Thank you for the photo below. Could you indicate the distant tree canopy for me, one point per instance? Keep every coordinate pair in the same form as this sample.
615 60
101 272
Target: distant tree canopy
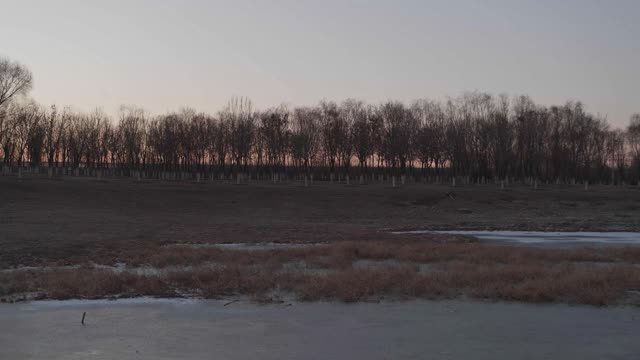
477 136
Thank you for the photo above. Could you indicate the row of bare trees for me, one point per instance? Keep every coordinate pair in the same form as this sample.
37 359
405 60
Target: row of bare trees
477 136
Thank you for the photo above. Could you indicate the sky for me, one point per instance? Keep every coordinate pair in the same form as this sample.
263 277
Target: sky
164 55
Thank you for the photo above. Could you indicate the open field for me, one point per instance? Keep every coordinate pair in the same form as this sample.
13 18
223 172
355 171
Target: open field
82 238
59 219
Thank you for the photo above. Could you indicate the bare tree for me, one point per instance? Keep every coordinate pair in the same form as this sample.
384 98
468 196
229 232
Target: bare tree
220 139
633 137
273 131
15 80
26 128
616 154
305 137
429 143
332 132
132 127
362 128
240 116
399 126
36 139
633 131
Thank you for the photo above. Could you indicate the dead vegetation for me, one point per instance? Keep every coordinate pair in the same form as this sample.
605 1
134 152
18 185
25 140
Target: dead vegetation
406 268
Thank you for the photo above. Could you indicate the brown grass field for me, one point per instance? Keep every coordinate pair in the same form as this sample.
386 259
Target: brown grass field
69 238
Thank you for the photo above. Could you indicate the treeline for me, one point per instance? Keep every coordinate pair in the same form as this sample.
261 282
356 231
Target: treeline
477 137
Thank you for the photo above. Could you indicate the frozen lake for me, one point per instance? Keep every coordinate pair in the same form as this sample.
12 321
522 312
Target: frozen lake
547 238
172 329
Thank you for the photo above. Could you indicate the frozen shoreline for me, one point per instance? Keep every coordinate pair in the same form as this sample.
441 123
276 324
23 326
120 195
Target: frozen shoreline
544 238
173 328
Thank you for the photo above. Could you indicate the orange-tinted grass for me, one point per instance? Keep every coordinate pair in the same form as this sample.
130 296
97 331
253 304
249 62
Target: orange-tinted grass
585 276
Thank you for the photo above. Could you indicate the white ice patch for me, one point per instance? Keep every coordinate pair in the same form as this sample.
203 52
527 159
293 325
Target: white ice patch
32 305
542 237
250 246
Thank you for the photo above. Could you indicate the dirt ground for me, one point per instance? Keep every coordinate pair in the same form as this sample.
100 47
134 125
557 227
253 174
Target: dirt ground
42 219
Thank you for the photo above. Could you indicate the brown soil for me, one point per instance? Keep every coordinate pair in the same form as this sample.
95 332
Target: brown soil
58 219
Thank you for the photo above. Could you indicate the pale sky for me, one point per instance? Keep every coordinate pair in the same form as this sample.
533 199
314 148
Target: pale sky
163 55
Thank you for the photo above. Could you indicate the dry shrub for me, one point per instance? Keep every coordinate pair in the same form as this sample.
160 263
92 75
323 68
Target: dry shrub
536 283
152 286
93 284
14 283
173 256
356 284
341 254
630 254
66 284
222 281
592 286
586 276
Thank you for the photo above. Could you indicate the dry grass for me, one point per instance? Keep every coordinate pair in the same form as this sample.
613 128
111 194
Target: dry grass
397 270
342 254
